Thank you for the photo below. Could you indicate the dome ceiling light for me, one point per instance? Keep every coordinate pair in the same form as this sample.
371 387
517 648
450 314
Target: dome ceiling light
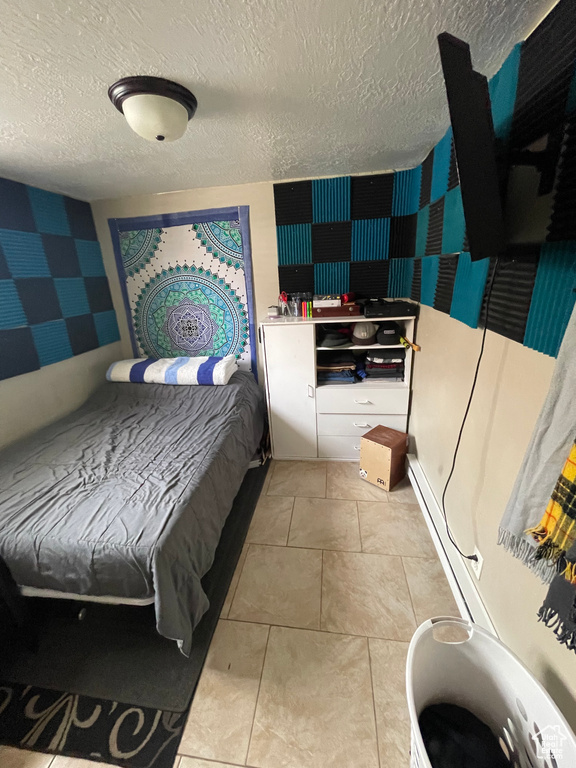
156 109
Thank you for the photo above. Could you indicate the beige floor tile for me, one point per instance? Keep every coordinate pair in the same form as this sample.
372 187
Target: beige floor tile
271 521
325 524
192 762
394 529
279 585
298 478
234 583
315 706
429 588
403 493
343 482
220 720
10 757
366 595
75 762
388 662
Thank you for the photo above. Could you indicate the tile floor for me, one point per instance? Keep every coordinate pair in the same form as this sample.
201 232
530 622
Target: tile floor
306 668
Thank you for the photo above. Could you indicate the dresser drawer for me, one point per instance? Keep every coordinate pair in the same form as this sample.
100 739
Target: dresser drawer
353 424
339 447
356 398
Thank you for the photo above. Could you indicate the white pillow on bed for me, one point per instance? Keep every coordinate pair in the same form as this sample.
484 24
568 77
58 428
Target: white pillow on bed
189 371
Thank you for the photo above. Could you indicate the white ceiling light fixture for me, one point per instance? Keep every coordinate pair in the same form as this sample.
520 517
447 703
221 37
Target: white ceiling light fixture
156 109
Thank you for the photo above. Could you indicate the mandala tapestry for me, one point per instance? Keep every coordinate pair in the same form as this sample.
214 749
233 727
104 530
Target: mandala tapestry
187 284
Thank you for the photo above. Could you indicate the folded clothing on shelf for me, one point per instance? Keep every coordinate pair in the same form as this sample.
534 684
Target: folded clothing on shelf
386 356
370 371
336 377
338 357
339 360
386 371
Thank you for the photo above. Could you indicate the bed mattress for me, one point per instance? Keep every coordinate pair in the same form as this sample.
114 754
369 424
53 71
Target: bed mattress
127 496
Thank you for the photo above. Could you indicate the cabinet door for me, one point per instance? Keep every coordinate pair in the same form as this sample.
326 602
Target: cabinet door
290 379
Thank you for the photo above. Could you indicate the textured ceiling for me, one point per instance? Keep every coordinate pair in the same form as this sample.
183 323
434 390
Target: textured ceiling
286 88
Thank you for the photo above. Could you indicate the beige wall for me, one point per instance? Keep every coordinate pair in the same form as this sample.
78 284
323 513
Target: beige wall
512 385
31 401
260 199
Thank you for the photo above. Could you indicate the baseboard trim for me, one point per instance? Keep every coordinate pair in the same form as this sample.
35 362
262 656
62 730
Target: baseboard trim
462 583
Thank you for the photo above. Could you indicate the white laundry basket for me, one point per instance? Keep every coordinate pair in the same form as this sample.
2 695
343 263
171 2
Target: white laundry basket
481 674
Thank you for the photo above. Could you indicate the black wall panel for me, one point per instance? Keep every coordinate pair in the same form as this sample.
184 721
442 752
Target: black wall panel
293 202
296 279
435 228
416 280
426 183
331 241
403 236
511 292
445 284
369 279
371 196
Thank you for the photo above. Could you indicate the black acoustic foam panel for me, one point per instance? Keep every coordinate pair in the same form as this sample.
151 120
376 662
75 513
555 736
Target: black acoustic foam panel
435 228
296 279
445 283
416 280
511 291
332 241
403 236
426 183
293 202
372 196
369 279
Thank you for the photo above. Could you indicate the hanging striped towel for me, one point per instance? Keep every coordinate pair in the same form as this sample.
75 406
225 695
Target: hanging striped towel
189 371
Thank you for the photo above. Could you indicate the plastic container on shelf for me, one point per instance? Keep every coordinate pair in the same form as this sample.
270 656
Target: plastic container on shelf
452 660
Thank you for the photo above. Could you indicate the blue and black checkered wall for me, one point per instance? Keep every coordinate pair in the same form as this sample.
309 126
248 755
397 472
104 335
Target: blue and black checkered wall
54 297
403 234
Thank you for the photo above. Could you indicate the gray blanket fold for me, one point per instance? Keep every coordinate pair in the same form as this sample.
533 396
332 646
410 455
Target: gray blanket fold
127 496
544 459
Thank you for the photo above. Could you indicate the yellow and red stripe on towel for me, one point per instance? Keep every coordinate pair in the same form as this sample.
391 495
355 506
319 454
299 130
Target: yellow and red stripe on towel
556 533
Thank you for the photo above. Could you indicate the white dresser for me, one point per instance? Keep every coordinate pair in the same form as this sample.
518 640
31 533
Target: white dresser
308 421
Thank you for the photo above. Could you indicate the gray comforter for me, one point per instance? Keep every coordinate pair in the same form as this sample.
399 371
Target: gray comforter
127 496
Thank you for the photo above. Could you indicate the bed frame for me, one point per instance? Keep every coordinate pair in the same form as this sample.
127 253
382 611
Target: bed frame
108 599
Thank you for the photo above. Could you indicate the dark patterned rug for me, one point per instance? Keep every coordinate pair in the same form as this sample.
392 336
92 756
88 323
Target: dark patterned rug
117 727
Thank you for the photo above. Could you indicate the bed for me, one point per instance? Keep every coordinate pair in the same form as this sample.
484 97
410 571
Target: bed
124 500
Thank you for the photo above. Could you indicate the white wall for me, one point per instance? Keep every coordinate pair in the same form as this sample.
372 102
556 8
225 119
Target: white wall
260 199
512 385
32 400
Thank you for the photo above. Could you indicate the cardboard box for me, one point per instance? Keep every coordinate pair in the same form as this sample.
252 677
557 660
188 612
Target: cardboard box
383 457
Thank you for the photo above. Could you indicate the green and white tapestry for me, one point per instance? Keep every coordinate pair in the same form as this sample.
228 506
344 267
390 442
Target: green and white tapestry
187 284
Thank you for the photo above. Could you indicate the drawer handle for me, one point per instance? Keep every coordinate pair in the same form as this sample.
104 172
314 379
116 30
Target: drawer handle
360 425
356 447
363 402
